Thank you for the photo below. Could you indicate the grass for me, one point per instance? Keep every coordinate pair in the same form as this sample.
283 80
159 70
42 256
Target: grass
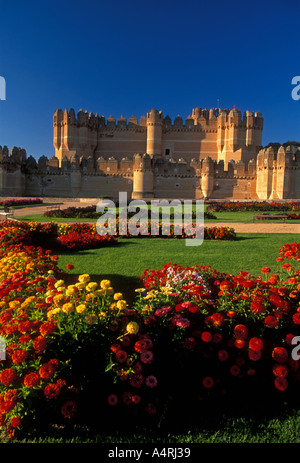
223 217
125 262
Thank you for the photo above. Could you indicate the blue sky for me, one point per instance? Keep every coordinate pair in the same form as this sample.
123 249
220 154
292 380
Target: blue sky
128 57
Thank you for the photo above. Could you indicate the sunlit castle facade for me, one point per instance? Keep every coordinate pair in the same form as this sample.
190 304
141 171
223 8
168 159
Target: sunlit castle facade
212 154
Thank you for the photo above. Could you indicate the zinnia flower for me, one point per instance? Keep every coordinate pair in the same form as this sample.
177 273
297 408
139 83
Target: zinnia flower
151 381
208 382
280 354
132 328
69 409
32 380
256 344
8 376
281 383
241 332
147 357
112 399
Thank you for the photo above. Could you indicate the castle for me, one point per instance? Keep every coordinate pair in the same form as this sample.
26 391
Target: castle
212 154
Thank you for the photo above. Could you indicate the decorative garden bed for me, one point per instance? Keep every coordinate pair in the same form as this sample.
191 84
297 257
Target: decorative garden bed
193 339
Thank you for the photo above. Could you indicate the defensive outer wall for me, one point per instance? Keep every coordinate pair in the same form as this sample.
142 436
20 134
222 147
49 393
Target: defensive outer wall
213 154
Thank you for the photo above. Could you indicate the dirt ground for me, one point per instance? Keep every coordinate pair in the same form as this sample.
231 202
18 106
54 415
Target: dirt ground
257 227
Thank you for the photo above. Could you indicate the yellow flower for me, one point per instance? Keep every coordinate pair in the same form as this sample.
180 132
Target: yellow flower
70 291
90 296
100 292
91 319
118 296
91 286
80 286
58 299
132 328
104 284
59 283
14 304
50 272
84 278
121 304
140 290
68 307
109 291
80 308
51 314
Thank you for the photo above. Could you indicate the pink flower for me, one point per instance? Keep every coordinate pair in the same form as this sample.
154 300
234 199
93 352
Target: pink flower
137 380
151 381
182 322
147 357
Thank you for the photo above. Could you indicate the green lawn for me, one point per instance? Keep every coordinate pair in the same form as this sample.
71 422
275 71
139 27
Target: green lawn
125 262
225 217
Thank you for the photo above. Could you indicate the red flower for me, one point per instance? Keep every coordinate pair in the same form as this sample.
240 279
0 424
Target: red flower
296 318
254 355
280 370
226 286
15 421
46 371
206 336
271 321
190 343
47 328
223 355
31 380
280 354
265 270
280 383
208 382
241 332
51 391
112 399
121 356
8 376
40 344
256 344
235 370
69 409
257 306
70 266
19 356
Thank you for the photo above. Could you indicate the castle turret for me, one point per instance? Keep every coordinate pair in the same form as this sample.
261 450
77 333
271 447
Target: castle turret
154 133
142 177
207 177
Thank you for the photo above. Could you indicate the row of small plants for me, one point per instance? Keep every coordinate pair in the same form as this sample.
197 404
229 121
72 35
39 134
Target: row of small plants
90 212
77 353
79 236
255 206
20 202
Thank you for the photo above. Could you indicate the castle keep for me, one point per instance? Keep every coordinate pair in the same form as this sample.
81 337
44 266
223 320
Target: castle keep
215 154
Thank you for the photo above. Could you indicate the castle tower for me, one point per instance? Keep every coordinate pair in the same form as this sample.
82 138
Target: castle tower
142 177
207 177
154 133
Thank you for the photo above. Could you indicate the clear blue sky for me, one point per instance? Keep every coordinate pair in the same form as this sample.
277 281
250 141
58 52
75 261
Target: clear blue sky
126 57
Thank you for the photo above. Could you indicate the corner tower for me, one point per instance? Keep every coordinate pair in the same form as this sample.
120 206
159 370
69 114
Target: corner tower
154 133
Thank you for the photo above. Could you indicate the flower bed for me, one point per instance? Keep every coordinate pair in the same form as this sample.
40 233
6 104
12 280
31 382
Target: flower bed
90 212
253 206
21 202
192 337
